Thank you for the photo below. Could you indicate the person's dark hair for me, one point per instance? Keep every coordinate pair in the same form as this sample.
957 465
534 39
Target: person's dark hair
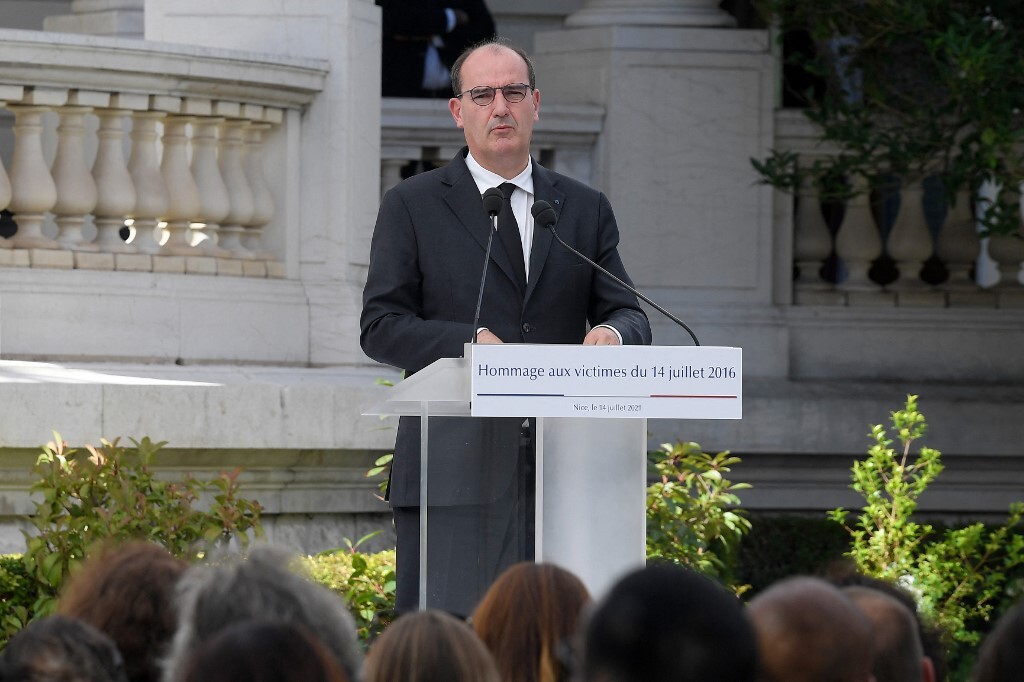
1001 658
127 592
807 629
491 44
667 623
263 651
426 646
844 574
896 643
527 618
262 586
61 649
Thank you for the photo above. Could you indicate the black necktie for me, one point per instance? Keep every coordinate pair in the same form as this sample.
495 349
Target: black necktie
508 232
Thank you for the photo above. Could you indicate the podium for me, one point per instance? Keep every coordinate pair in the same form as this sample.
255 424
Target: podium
591 405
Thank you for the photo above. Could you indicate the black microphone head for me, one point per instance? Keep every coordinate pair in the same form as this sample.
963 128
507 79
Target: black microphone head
543 213
493 199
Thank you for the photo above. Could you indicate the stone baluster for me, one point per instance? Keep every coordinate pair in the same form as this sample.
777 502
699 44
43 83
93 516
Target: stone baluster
183 194
114 188
958 245
910 242
242 204
812 242
33 192
390 173
214 202
5 199
263 199
151 194
858 242
650 13
1007 250
76 188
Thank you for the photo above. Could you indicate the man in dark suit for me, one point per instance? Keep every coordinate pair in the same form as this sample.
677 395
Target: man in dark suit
418 306
421 39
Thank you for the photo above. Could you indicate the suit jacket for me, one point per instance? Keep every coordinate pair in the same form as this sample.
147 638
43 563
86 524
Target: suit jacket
408 26
426 257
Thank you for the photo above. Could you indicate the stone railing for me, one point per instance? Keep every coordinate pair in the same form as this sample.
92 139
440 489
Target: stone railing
421 132
906 248
145 157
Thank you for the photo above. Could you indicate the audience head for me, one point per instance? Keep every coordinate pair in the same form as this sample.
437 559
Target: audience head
127 592
426 646
845 574
664 622
1002 653
259 587
263 651
525 618
896 642
808 630
61 649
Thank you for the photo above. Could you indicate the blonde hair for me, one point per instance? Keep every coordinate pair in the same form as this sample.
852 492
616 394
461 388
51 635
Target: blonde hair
426 646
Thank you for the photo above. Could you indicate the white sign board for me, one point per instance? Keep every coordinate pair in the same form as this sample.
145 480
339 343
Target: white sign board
630 382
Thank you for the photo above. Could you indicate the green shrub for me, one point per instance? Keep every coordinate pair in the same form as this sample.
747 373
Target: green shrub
18 594
365 581
692 515
958 575
110 494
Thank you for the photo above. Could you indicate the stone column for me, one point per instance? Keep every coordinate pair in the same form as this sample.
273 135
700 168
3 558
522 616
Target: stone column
115 193
33 192
230 159
686 108
150 191
76 189
181 188
214 203
263 199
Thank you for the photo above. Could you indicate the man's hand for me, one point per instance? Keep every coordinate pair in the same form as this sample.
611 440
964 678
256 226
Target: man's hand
487 336
601 336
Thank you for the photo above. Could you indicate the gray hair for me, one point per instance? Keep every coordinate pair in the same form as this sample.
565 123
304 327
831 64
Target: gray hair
261 586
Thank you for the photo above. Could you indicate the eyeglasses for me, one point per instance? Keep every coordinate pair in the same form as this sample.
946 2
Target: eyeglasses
484 94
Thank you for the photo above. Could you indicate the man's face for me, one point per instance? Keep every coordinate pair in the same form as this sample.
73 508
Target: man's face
499 133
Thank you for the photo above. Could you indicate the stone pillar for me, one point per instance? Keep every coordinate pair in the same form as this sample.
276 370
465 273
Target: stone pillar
686 109
115 192
33 192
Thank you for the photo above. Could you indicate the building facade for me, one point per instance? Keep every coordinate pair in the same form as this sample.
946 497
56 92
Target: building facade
243 146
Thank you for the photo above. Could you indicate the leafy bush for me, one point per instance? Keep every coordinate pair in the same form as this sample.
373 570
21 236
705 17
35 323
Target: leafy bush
110 494
18 593
692 515
365 581
958 575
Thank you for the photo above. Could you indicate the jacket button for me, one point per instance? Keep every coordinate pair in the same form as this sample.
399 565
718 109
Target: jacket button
527 327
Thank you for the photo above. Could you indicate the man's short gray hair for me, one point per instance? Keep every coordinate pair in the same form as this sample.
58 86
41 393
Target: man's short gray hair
262 586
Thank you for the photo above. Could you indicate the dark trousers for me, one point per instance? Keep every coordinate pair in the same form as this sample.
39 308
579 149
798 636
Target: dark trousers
468 546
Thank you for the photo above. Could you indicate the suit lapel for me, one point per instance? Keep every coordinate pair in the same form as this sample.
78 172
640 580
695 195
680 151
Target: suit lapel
463 198
544 187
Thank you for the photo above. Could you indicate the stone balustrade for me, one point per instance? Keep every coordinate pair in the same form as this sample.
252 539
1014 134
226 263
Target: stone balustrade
124 155
420 133
890 246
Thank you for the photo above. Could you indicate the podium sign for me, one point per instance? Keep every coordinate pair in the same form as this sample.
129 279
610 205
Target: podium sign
629 382
591 405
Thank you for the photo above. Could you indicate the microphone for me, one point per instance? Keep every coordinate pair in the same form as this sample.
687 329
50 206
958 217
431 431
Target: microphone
544 215
492 200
